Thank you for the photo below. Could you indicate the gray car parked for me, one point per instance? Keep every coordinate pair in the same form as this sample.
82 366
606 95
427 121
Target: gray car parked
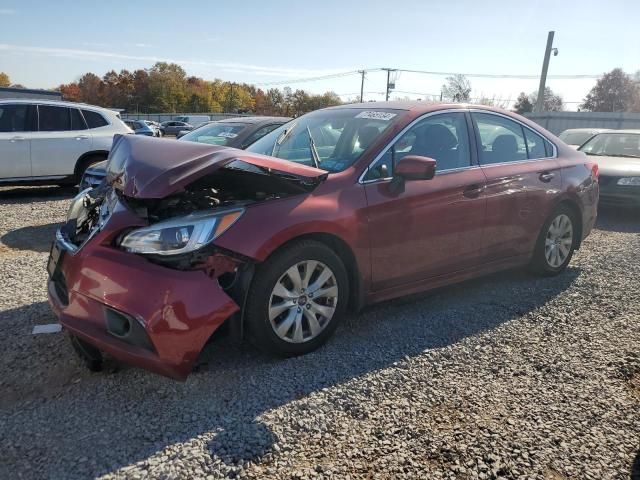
172 127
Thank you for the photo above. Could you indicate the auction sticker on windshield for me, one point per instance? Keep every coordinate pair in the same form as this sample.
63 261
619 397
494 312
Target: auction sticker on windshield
227 134
376 115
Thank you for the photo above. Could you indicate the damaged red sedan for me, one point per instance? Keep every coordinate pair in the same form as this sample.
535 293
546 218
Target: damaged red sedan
335 210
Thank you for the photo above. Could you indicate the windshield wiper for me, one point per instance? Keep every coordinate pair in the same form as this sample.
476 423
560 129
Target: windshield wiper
282 137
314 152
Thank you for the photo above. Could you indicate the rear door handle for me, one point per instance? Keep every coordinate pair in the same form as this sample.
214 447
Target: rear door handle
82 137
546 176
473 191
17 139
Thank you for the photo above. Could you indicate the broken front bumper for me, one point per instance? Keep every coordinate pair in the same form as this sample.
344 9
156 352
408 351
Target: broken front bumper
141 313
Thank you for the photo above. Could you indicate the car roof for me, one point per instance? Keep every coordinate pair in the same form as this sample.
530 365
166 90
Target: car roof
59 103
419 106
627 131
594 129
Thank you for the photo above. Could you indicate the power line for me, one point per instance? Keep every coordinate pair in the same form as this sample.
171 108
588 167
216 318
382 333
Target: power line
429 72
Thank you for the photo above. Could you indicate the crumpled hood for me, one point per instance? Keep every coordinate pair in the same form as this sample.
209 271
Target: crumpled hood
146 167
617 166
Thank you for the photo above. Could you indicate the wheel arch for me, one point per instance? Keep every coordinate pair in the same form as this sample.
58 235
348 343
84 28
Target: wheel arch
82 161
346 254
577 212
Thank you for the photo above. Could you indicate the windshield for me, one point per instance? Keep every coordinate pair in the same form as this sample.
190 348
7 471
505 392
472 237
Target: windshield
215 133
613 145
339 136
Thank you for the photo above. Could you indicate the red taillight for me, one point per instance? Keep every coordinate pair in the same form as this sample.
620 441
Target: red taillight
595 173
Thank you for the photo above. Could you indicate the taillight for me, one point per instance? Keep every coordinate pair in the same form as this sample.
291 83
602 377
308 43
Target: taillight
595 172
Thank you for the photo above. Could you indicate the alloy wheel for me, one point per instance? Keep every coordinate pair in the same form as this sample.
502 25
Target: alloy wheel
303 301
559 240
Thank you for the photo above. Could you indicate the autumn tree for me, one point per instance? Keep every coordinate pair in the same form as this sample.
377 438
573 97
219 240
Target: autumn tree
71 92
4 80
457 89
614 92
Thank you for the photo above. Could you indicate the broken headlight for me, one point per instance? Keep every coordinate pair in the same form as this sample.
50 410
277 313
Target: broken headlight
78 207
181 234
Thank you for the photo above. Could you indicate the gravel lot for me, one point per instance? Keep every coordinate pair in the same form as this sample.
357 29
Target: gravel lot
509 376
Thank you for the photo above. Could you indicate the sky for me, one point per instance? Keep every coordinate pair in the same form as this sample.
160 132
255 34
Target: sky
44 43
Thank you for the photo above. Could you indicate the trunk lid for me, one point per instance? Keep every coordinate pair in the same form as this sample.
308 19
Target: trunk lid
616 166
147 168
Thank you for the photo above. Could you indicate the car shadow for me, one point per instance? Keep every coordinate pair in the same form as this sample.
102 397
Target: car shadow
35 238
625 220
36 194
221 405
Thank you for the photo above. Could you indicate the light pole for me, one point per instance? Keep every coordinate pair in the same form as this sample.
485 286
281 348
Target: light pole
545 67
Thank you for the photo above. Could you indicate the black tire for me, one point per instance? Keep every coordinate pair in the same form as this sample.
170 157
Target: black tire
86 163
259 328
89 354
539 263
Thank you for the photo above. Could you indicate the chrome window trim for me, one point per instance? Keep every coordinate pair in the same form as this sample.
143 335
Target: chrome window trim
523 125
361 179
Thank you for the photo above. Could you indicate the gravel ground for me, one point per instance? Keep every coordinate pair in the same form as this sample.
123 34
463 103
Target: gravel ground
509 376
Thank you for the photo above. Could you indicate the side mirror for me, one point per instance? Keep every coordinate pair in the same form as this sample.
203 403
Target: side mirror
414 167
411 167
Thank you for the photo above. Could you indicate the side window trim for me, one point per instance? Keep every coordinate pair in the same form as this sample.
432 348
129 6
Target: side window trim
362 180
523 126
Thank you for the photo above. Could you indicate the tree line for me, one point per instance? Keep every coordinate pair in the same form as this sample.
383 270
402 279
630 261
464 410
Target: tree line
165 87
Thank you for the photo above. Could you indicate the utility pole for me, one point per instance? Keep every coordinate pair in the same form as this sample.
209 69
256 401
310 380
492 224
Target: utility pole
545 66
362 84
389 85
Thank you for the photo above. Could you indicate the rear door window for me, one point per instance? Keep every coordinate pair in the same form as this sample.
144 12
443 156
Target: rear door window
537 146
53 119
77 122
94 119
500 140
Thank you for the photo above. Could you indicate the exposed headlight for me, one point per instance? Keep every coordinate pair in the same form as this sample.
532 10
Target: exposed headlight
179 235
629 181
77 207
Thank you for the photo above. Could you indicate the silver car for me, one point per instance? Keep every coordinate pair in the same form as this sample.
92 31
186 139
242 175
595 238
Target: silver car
617 153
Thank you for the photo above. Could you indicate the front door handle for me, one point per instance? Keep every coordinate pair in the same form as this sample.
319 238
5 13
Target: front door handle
546 177
473 191
82 137
17 139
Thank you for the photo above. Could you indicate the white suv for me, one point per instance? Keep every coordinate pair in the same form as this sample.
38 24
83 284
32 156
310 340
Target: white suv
53 142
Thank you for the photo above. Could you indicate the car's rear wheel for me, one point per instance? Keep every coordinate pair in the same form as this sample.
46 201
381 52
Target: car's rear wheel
556 243
297 299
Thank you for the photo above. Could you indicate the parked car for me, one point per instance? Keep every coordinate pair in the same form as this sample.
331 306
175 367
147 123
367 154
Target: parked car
574 137
194 120
618 157
140 127
173 127
53 142
155 126
280 240
231 133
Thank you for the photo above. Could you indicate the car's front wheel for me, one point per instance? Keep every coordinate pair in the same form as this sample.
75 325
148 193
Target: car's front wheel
556 243
297 299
